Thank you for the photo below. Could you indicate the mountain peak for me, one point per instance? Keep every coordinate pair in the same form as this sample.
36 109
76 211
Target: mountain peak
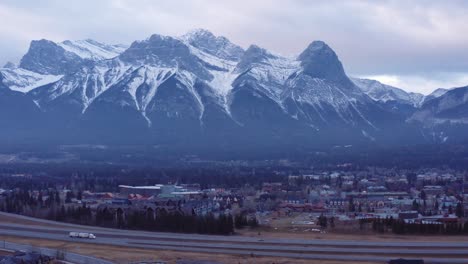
318 45
254 54
167 52
439 92
320 61
218 46
254 49
9 65
159 37
319 49
157 49
172 91
47 57
198 33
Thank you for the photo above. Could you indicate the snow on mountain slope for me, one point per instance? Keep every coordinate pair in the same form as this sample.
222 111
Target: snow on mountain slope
199 83
439 92
220 57
435 94
92 50
47 57
22 80
227 62
134 87
330 102
266 71
321 93
84 86
165 51
32 74
213 62
139 70
218 46
451 107
385 93
222 70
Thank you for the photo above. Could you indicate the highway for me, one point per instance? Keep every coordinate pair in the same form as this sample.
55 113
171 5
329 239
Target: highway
431 252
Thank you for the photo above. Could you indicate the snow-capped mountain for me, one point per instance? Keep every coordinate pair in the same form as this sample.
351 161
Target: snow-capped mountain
449 107
47 62
396 99
445 116
22 80
48 57
198 90
320 90
435 94
386 93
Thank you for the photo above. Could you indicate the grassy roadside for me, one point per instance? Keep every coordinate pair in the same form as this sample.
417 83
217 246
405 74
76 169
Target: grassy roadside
126 255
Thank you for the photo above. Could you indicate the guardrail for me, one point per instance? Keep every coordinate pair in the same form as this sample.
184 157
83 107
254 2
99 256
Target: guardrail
56 253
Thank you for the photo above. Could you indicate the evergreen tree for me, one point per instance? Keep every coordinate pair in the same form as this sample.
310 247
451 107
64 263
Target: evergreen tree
459 210
352 207
415 206
68 197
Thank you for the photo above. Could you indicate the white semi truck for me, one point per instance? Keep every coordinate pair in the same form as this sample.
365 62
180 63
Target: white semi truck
82 235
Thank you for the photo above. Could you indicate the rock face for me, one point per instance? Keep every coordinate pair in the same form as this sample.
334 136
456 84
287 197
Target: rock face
319 61
47 57
197 91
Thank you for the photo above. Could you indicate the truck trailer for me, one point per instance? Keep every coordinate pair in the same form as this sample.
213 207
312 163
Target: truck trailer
82 235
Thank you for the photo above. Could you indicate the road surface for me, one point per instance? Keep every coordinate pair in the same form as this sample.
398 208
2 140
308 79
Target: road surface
431 252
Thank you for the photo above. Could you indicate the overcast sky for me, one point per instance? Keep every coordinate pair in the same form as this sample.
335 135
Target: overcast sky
415 45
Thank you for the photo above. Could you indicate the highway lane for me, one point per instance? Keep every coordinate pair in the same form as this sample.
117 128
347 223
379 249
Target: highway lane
221 250
359 254
128 241
432 252
144 237
64 227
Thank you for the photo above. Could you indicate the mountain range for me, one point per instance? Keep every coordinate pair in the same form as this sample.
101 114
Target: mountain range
201 91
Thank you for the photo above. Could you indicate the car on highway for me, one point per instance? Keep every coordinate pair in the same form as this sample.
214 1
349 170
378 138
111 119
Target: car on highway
81 235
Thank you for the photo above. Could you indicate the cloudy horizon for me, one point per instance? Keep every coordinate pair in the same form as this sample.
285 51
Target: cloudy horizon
417 46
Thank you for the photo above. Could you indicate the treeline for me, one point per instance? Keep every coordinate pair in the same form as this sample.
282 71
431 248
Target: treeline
167 222
399 226
22 202
51 207
47 206
241 221
324 221
107 178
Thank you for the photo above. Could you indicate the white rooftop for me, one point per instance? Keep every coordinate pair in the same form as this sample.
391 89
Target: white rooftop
150 187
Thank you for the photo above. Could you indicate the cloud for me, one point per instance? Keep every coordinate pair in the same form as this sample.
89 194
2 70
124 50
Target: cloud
391 38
